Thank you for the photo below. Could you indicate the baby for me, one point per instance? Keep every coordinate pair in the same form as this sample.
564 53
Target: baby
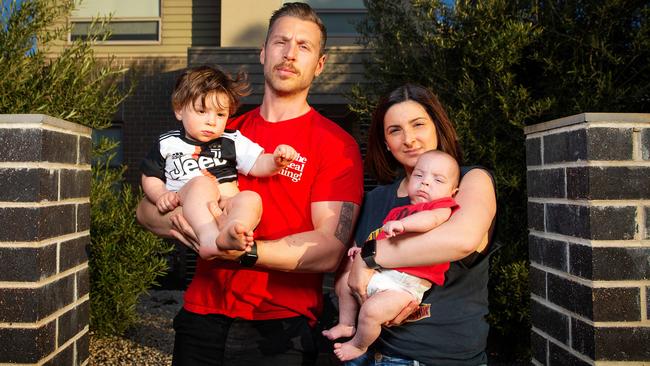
199 163
432 185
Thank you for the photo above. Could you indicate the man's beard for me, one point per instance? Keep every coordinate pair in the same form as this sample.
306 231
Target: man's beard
279 85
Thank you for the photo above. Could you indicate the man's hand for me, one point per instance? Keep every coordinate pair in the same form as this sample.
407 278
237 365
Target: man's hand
392 228
184 233
167 202
284 154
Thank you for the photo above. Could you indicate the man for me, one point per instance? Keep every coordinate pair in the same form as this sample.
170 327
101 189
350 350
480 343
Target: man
259 308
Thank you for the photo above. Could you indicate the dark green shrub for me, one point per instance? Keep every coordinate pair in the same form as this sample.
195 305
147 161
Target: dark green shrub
509 285
124 259
592 56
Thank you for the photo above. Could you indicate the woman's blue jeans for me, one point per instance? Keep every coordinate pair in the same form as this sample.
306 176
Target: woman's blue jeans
372 358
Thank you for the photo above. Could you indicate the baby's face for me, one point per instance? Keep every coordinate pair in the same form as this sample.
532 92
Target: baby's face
433 177
205 122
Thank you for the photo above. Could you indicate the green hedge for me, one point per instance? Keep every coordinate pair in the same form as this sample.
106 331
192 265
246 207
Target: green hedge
125 260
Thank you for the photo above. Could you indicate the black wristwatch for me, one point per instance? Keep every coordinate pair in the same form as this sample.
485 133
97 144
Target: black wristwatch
248 259
368 252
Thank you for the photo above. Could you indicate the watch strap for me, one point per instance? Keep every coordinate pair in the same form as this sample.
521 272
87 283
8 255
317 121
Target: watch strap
248 259
368 252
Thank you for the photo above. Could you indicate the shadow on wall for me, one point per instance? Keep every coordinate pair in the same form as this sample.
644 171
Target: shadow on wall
206 23
148 111
254 32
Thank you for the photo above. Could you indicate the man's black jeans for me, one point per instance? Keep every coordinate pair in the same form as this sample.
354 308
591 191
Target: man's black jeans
215 340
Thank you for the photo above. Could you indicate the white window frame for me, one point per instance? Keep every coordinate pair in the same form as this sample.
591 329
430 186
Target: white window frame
114 20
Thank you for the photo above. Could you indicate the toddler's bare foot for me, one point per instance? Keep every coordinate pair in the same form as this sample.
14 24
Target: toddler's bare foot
339 331
235 236
346 351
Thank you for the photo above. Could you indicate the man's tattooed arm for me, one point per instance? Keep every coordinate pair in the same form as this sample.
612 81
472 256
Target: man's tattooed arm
346 221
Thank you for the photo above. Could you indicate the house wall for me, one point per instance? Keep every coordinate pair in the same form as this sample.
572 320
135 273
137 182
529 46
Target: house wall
244 22
343 69
184 23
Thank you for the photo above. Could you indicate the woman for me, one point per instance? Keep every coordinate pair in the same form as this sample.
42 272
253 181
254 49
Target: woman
450 328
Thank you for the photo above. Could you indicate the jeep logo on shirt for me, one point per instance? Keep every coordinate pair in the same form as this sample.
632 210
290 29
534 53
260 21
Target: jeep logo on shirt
184 166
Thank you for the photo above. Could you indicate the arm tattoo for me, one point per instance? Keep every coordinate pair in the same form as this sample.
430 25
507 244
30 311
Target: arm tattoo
344 227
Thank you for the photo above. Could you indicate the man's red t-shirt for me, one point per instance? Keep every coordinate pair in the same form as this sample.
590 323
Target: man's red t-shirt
328 168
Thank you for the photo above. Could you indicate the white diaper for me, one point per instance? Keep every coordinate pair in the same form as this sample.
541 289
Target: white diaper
388 279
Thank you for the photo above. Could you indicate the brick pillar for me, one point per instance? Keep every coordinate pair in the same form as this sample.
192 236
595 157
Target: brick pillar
588 182
44 237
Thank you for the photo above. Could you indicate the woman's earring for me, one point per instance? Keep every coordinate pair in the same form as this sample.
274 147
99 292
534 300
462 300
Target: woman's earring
387 148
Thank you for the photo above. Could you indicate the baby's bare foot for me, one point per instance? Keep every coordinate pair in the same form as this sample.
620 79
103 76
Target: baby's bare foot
346 351
339 331
235 236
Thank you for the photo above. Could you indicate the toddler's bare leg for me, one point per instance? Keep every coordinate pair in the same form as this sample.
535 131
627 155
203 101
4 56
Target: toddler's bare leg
195 196
241 215
348 308
378 309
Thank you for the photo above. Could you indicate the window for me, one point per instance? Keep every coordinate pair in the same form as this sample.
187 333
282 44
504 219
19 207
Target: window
131 21
341 23
340 18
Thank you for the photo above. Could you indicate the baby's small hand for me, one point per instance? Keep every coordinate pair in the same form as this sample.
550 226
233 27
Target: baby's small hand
353 251
392 228
284 154
167 202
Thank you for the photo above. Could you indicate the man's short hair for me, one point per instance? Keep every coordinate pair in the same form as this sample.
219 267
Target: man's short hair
301 11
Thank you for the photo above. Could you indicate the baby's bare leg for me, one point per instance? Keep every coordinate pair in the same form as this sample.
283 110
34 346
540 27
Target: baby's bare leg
348 308
194 197
377 310
241 215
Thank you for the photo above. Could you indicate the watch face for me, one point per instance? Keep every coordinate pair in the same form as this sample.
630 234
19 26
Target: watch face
248 260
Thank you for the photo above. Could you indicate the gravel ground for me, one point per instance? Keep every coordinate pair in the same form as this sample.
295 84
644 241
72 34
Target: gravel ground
149 342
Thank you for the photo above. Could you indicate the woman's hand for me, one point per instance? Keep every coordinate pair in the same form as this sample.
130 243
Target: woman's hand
358 281
359 277
403 315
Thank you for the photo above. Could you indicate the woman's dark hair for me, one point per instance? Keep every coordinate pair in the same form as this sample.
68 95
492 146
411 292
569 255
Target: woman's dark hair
381 163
